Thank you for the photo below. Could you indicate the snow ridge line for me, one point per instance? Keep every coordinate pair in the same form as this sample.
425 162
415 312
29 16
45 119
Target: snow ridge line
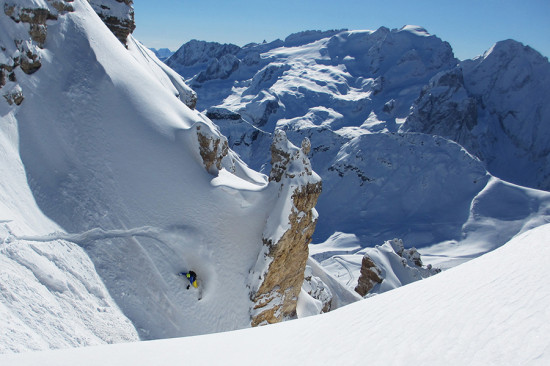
94 234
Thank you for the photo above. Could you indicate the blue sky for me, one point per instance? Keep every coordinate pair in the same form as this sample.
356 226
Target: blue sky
470 26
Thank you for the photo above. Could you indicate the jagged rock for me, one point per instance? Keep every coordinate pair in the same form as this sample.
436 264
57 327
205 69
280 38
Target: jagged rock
30 62
410 255
35 17
370 275
14 96
118 16
28 55
189 98
213 148
2 77
392 262
62 6
219 68
279 271
445 108
222 113
195 52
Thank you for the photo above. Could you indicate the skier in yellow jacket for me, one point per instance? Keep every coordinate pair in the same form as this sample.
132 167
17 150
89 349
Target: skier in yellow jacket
192 277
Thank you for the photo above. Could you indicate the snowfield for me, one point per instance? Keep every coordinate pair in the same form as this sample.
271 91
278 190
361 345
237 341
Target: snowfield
492 310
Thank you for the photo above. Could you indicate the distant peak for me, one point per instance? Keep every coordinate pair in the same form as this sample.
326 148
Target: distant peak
512 48
301 38
418 30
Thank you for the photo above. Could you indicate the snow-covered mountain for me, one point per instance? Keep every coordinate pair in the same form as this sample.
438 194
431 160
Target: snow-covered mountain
162 54
497 106
361 97
113 184
114 181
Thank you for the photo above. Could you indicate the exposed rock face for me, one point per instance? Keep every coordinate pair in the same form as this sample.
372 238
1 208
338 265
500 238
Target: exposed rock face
370 275
14 96
374 273
36 18
219 68
445 108
118 15
213 148
409 255
279 271
497 107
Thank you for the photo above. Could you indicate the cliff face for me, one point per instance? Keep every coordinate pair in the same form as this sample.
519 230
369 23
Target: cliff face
370 275
118 15
496 106
279 272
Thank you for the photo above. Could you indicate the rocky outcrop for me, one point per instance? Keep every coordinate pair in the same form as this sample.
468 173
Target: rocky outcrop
279 272
118 15
212 148
375 269
14 96
25 52
370 275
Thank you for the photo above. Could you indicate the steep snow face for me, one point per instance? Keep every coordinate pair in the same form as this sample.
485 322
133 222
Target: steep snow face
50 293
513 83
168 77
497 106
114 156
492 310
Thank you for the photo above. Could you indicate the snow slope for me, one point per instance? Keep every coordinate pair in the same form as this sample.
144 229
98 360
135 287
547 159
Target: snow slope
492 310
50 293
108 197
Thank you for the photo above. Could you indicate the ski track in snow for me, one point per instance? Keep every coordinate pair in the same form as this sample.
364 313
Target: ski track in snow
86 237
342 262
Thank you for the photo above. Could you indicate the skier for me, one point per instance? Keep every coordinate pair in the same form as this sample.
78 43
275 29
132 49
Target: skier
192 277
